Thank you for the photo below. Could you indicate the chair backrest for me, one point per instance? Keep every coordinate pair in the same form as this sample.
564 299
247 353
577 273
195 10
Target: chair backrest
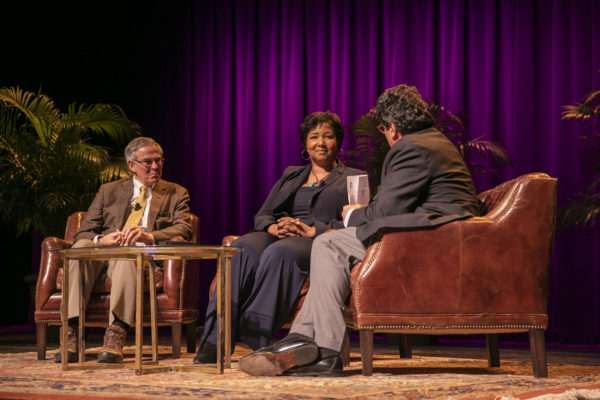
74 222
496 201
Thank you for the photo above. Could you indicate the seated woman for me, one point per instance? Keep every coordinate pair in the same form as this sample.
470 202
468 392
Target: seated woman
267 276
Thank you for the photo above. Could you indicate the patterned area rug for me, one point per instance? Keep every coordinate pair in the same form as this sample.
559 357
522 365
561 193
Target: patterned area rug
23 377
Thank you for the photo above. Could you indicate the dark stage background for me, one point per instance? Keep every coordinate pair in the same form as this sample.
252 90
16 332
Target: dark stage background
224 85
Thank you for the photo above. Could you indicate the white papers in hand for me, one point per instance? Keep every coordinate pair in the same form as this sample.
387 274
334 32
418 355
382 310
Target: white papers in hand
358 189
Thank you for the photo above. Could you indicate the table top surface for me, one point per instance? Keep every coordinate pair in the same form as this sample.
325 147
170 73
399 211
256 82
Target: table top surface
182 251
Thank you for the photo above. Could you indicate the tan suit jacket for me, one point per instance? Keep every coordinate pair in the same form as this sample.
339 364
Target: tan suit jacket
169 214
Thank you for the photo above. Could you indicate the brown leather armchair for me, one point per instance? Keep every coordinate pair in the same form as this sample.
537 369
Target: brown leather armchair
176 292
485 275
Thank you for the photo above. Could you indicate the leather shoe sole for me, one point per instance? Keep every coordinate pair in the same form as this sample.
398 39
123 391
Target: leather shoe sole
262 363
106 357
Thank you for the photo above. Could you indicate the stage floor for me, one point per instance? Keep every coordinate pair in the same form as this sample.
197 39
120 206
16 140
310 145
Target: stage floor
473 347
446 368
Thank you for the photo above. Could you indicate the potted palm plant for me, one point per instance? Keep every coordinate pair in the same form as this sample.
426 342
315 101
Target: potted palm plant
584 209
52 162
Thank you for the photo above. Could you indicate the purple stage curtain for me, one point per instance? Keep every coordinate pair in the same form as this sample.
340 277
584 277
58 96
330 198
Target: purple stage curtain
245 73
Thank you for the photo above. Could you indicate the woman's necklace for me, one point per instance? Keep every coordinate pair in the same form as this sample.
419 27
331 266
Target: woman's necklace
317 180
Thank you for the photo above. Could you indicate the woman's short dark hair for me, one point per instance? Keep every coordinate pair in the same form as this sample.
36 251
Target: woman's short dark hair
404 107
311 121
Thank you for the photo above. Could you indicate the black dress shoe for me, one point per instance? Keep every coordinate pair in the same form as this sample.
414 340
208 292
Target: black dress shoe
207 354
289 341
110 358
72 357
327 366
281 356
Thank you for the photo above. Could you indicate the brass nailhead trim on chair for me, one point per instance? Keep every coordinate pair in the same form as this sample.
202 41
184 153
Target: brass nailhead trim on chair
378 238
513 197
429 327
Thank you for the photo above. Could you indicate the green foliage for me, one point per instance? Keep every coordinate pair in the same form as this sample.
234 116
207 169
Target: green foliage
370 145
52 163
370 148
476 152
584 209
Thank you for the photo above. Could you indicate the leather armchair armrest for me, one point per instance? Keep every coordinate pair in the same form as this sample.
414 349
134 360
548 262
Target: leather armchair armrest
49 265
465 266
227 240
410 271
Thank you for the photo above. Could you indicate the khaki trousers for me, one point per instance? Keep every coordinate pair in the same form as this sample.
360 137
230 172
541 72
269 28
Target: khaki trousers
332 257
122 293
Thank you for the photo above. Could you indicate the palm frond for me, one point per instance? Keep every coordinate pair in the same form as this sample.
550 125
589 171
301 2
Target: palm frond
370 148
87 153
39 110
55 160
105 120
40 104
488 148
584 209
116 168
588 109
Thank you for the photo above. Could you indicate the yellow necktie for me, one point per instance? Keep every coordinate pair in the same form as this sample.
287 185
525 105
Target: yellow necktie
138 209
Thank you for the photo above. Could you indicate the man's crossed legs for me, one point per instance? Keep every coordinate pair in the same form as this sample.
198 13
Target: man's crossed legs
312 348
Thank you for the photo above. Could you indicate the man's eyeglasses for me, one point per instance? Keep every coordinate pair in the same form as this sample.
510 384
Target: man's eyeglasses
149 161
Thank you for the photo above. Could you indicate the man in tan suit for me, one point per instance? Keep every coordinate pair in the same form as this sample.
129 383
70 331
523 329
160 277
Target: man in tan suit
138 211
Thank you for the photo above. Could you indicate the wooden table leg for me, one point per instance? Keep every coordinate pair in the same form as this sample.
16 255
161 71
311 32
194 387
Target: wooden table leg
153 328
220 314
64 315
81 327
227 284
139 313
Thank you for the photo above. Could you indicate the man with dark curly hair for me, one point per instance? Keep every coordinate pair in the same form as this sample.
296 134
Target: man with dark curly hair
424 183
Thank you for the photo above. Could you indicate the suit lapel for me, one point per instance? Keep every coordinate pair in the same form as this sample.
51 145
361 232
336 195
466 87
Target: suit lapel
158 197
292 186
124 195
332 177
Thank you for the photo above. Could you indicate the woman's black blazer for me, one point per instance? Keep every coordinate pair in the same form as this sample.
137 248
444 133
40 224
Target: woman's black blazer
326 206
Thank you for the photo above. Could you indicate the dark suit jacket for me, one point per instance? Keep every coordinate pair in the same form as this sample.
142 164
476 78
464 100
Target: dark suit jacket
424 183
169 214
327 202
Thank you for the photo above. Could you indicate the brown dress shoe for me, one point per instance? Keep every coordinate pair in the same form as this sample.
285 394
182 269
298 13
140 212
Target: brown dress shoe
112 350
72 341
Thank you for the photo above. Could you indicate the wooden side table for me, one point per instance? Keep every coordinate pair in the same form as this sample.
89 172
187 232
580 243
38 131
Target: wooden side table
141 255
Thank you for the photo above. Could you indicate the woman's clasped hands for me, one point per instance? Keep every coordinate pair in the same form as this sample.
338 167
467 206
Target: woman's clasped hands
291 227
